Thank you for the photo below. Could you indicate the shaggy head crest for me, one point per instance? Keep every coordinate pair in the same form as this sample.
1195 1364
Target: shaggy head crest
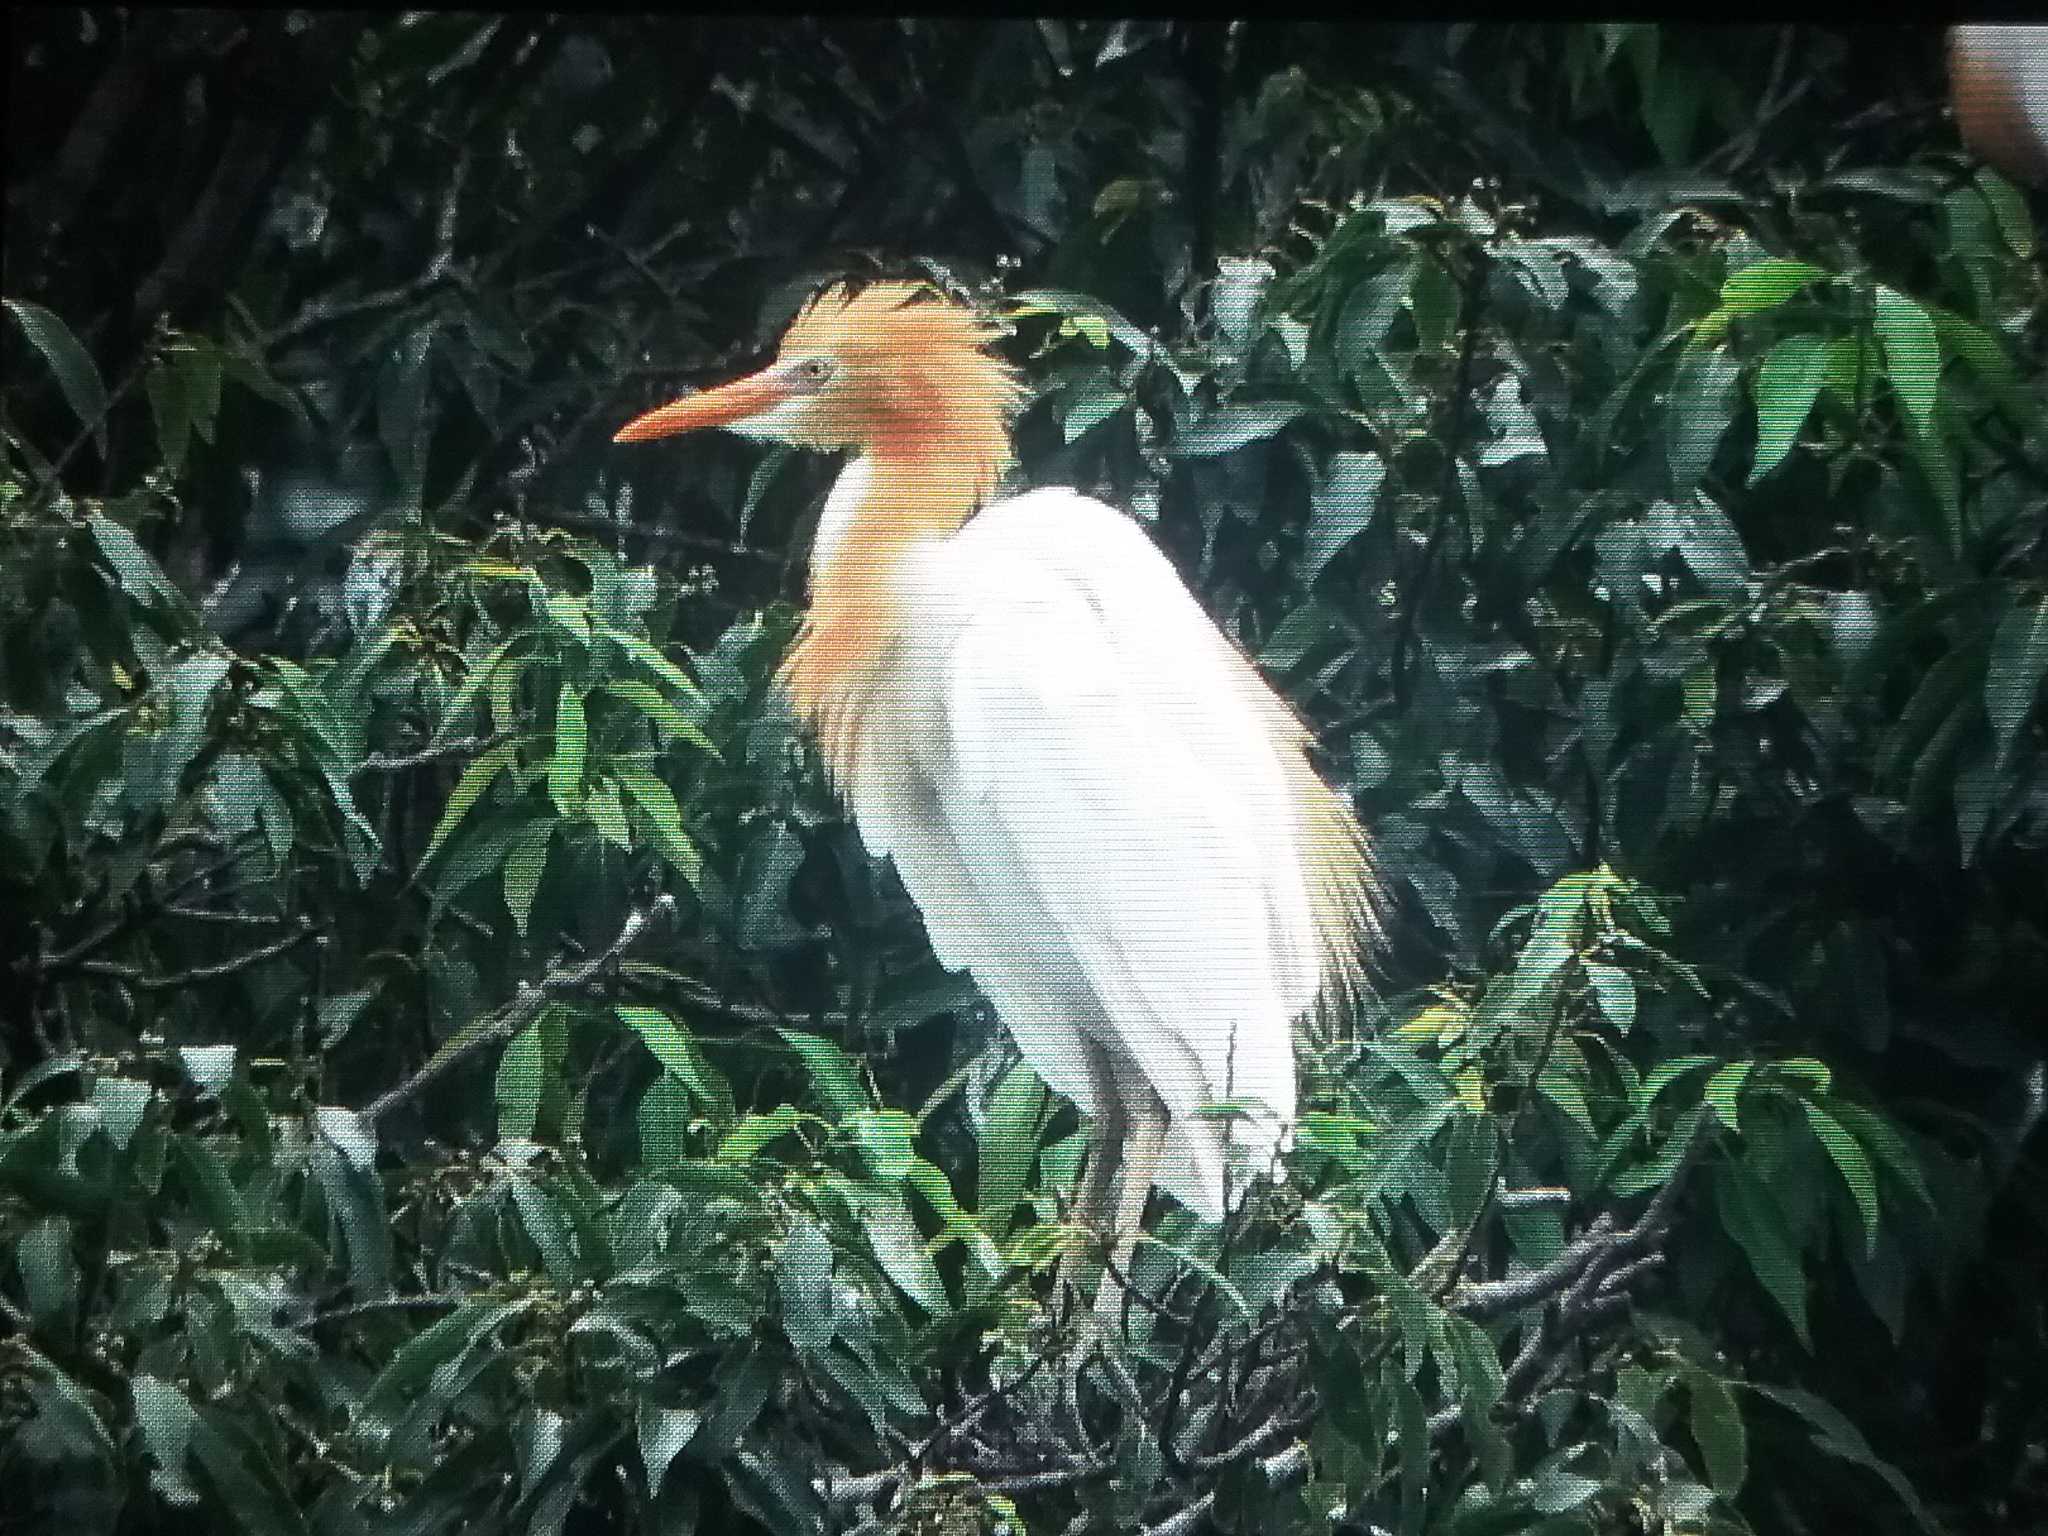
915 378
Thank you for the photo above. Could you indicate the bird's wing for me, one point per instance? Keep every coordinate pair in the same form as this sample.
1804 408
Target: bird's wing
1115 800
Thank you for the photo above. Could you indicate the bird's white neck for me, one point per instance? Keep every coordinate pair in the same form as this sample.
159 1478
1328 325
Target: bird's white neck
849 492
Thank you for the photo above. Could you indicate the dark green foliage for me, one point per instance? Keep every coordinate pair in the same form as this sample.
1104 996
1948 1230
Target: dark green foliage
461 1070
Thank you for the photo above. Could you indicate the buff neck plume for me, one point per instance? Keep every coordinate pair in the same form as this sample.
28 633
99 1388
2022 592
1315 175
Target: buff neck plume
903 377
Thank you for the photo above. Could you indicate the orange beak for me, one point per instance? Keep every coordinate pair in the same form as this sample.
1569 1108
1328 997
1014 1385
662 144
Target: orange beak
719 407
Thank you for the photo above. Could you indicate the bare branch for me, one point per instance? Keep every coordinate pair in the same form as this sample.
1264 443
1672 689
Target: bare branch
386 762
198 975
517 1015
1493 1297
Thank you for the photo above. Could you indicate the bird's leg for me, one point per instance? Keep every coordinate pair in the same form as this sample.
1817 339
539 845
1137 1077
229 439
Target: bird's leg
1094 1199
1145 1138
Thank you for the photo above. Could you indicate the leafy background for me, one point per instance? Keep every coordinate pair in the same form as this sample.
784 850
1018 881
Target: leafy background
460 1069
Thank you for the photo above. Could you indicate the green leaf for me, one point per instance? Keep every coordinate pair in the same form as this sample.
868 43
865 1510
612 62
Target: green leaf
1985 356
1433 304
1705 391
170 406
887 1141
1754 1220
249 1489
134 567
247 372
1671 103
1835 1435
167 1420
1724 1092
1299 631
898 1248
1701 693
2012 681
214 1194
1756 288
1912 356
78 378
803 1271
1469 1167
200 368
2008 212
544 1215
1852 1162
49 1275
664 1433
1342 508
344 1161
1880 1136
568 613
677 1050
476 778
1557 1490
1614 992
572 739
480 850
1717 1429
521 1072
1232 426
1786 386
1087 408
414 1378
187 689
603 811
773 1487
663 1121
1065 301
1368 314
764 475
456 715
657 803
650 658
1815 1073
525 863
1009 1145
747 1139
402 408
832 1072
67 1411
1566 1089
661 710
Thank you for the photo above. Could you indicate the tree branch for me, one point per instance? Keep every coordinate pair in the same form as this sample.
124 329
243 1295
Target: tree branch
527 1006
198 975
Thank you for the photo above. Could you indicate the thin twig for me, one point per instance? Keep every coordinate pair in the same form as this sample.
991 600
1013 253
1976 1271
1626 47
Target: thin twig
390 762
198 975
72 958
527 1006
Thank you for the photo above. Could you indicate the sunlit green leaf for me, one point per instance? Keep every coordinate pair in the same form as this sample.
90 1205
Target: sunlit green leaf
1851 1161
476 778
1008 1146
1786 386
832 1072
565 766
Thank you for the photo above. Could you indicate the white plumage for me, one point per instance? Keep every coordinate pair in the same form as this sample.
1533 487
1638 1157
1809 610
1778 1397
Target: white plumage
1092 822
1102 811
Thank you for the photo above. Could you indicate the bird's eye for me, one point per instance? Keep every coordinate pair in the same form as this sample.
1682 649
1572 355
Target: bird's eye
815 370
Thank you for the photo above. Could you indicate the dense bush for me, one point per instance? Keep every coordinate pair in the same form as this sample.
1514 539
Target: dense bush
460 1068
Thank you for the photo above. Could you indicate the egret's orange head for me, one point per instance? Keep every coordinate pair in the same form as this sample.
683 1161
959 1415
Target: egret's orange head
896 370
